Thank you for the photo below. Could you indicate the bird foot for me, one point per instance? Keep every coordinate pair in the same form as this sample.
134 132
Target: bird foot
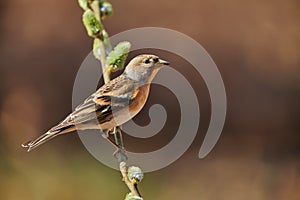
120 154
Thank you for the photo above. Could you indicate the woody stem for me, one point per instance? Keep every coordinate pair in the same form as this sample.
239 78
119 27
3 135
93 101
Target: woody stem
104 49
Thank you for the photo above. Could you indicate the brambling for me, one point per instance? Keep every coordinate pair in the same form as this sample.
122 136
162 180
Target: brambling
111 105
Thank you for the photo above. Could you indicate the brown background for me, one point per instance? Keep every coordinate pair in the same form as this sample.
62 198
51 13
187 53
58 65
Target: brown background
256 46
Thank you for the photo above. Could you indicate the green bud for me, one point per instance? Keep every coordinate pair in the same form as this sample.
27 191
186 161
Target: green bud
117 57
106 9
130 196
96 48
135 174
92 25
106 42
84 4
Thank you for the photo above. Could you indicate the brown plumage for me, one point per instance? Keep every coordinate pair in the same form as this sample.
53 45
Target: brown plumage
112 104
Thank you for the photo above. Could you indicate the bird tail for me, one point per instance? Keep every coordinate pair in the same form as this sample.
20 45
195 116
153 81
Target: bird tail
40 140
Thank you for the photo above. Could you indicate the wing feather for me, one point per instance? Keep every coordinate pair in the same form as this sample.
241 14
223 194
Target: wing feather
98 107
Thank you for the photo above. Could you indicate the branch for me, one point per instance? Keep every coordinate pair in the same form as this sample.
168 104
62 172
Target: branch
111 61
130 185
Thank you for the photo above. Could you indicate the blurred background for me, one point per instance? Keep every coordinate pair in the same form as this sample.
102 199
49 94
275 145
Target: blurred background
255 45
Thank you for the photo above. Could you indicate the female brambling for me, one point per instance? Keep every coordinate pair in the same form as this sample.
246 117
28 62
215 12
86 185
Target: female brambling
111 105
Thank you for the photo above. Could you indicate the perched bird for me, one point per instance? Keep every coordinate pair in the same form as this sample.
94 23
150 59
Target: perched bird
111 105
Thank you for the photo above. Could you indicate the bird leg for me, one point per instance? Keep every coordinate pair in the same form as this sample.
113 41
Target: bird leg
118 137
106 135
120 154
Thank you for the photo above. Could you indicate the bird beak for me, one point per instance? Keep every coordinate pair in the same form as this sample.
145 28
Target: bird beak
163 62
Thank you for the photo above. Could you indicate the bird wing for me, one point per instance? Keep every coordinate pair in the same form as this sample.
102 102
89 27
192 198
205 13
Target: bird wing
112 96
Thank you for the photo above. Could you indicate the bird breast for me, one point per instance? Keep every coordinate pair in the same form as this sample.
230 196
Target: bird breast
135 105
139 99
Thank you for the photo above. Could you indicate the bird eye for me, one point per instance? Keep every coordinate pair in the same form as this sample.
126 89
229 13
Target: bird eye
147 61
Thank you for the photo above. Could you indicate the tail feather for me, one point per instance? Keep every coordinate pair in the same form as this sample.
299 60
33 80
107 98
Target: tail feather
40 140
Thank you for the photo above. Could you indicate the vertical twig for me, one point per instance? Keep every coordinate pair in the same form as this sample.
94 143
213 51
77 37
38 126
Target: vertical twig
133 189
106 69
103 51
96 30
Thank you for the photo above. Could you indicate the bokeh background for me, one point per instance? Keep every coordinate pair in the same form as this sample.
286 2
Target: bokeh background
256 46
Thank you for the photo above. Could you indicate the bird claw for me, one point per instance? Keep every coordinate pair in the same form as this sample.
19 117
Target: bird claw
120 154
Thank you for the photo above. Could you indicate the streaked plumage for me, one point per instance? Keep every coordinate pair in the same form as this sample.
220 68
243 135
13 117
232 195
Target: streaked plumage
112 104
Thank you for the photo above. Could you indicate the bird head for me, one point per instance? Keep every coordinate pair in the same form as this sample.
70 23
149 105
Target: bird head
143 68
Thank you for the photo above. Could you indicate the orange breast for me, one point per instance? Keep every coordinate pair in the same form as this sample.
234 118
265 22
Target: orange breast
139 99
